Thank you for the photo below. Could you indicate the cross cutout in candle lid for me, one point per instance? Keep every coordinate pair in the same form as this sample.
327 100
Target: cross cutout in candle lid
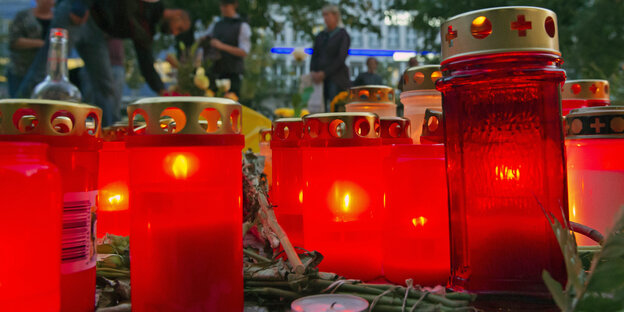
450 35
521 25
593 89
597 125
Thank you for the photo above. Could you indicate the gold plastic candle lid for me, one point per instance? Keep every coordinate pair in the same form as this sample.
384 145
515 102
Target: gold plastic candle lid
287 132
184 115
432 128
115 133
342 129
395 128
585 89
48 117
421 77
371 94
501 29
595 122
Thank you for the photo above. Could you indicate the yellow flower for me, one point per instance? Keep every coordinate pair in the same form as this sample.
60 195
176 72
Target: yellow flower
284 112
209 93
201 82
305 112
299 54
223 84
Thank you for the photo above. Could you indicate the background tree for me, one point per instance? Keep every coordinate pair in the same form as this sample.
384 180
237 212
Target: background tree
591 33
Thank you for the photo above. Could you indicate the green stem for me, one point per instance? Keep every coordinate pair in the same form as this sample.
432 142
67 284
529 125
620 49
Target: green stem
270 291
251 283
256 256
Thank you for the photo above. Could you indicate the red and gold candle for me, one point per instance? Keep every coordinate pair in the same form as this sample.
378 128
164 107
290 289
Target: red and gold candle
504 148
343 194
415 241
265 151
113 212
594 146
287 191
584 93
72 132
30 225
186 204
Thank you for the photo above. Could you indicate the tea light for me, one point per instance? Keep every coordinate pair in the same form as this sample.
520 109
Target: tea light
343 192
415 239
419 93
329 303
584 93
30 224
594 145
113 213
504 148
287 191
186 204
372 99
72 133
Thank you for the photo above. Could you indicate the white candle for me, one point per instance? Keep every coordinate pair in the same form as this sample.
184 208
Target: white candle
329 303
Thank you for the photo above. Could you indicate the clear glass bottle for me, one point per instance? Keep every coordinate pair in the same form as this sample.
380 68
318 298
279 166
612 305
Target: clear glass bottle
56 85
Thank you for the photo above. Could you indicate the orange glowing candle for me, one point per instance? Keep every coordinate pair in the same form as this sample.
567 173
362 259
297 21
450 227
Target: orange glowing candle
343 192
185 204
584 93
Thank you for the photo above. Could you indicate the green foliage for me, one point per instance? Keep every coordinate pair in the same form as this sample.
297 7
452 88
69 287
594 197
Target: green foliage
591 33
256 85
273 14
600 289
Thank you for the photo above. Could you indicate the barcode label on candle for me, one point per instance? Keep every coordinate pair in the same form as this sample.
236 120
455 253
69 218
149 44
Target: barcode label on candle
78 236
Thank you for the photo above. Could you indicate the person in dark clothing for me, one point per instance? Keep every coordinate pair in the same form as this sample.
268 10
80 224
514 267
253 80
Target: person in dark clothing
139 21
230 37
369 77
330 51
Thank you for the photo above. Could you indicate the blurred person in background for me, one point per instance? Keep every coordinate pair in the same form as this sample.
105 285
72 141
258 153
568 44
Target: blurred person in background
27 34
413 62
369 77
229 39
330 51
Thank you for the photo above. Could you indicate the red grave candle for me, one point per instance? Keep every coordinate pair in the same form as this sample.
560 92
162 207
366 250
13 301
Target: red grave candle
186 204
415 224
504 148
72 133
113 213
30 227
344 192
584 93
594 145
287 191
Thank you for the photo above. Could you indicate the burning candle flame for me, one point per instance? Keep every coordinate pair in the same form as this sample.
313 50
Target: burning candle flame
505 173
301 197
346 201
115 199
180 167
419 221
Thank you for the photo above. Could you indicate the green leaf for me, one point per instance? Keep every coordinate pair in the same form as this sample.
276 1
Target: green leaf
306 94
559 296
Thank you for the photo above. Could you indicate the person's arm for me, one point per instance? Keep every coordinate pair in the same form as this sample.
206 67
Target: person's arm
339 60
17 33
26 43
146 65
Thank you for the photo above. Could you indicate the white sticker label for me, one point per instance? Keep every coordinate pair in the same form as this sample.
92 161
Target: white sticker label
79 228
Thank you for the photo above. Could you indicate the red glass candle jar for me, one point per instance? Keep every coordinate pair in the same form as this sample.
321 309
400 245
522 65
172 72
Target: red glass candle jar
113 213
265 151
72 133
584 93
504 148
594 146
372 99
186 204
419 94
415 241
287 190
30 225
344 192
